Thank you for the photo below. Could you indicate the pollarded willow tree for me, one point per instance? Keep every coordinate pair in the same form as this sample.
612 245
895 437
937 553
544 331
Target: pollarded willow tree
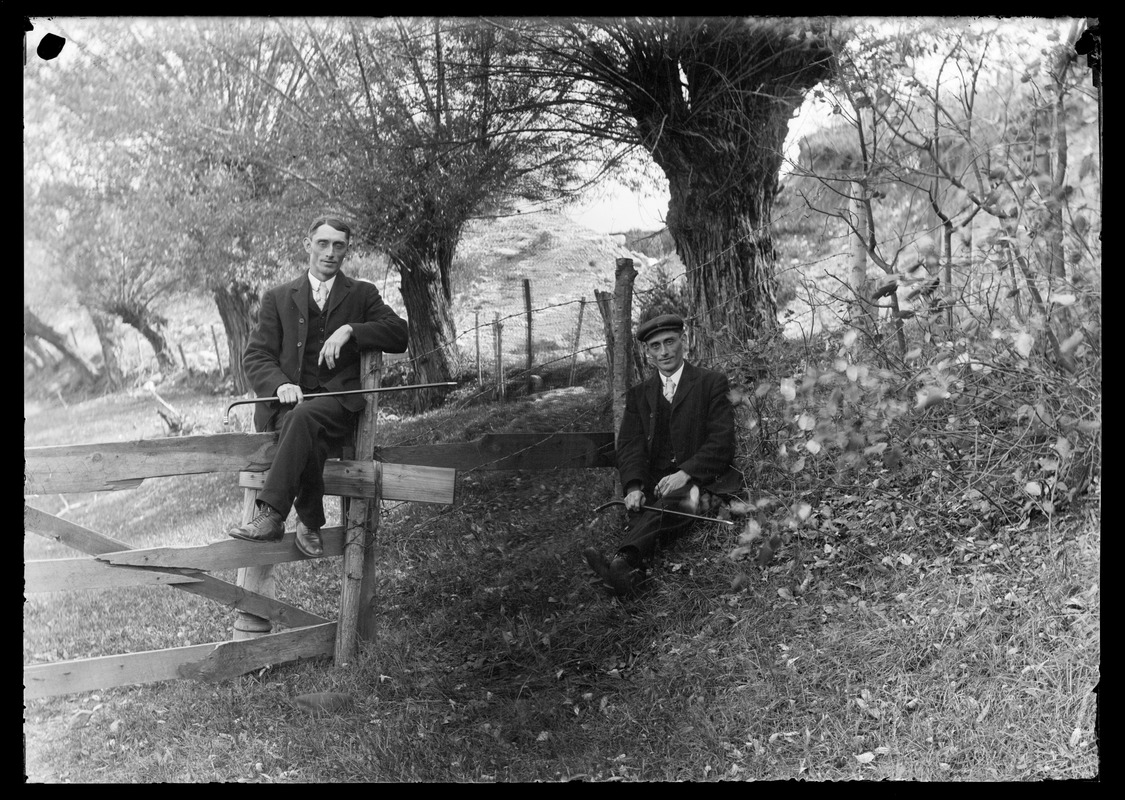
711 100
413 127
139 113
406 124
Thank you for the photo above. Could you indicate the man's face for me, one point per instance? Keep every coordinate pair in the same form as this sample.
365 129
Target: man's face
327 248
666 350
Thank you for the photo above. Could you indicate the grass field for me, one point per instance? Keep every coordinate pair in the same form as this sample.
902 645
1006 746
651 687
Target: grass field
939 655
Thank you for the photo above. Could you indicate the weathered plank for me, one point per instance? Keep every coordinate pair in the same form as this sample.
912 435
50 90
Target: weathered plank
495 451
72 535
231 659
226 554
68 533
341 478
418 484
236 597
66 574
88 674
213 661
121 465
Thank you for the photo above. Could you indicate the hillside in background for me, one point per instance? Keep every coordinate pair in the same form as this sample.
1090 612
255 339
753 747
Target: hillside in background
562 260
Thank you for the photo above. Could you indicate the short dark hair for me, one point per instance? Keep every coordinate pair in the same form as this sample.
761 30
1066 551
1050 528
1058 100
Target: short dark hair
332 222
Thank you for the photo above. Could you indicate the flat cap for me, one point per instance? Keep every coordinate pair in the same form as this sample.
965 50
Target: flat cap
659 324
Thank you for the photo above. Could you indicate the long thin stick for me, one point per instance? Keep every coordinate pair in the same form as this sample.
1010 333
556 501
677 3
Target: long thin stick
666 511
226 416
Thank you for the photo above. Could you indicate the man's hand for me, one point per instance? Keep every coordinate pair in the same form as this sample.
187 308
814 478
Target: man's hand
634 500
290 393
331 350
672 483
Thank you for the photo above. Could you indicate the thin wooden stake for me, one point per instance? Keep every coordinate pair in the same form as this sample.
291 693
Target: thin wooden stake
527 310
577 339
498 347
218 356
622 337
480 366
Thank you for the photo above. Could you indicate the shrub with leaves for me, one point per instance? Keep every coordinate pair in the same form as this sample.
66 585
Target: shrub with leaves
974 426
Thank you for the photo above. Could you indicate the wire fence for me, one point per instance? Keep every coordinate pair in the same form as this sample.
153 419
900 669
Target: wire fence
523 339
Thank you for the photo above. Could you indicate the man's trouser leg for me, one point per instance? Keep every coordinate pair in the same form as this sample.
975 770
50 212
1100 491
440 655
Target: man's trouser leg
651 529
307 431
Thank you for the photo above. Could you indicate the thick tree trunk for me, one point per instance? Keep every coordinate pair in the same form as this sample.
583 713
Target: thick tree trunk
103 327
148 325
238 307
728 253
34 348
1056 145
160 347
431 326
33 326
712 100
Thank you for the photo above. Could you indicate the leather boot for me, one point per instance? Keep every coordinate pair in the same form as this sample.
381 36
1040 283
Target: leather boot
308 540
268 526
617 574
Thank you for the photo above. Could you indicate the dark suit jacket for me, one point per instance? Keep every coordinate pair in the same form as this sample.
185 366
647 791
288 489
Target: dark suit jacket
274 354
702 426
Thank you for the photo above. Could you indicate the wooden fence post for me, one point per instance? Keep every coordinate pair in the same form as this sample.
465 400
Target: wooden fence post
480 367
605 308
357 590
622 336
577 340
496 328
527 308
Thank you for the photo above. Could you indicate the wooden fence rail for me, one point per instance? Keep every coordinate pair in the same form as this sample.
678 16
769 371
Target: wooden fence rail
429 477
44 680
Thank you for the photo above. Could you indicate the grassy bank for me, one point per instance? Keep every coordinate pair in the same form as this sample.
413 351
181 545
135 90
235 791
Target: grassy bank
937 656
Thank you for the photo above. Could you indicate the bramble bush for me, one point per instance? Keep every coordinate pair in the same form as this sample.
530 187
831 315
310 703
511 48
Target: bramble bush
980 423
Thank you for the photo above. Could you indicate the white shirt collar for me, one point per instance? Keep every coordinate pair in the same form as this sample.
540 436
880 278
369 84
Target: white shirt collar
315 281
674 377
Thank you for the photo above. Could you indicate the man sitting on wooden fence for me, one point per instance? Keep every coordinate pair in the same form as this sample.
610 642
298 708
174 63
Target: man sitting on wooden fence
677 433
308 340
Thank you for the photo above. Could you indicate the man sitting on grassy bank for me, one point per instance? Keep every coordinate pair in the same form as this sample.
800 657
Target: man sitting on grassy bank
677 433
308 340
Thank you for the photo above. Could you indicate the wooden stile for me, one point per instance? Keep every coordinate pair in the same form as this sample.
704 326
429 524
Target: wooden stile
423 473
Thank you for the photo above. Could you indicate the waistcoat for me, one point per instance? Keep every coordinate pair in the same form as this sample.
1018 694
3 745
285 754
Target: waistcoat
311 378
663 459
